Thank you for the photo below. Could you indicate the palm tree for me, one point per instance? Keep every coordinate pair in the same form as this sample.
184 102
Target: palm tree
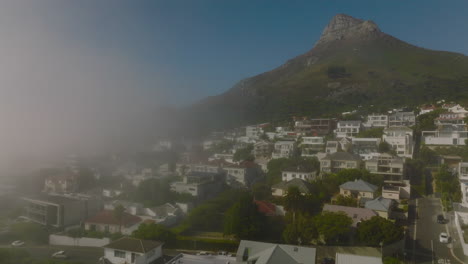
119 212
293 201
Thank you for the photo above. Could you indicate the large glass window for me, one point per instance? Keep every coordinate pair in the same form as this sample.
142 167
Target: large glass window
119 254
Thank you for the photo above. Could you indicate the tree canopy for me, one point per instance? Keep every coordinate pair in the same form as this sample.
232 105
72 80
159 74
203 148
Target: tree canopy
376 230
244 220
333 227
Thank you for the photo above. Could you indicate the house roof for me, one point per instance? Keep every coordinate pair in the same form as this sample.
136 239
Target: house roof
265 208
355 213
134 244
342 156
268 253
379 204
299 169
359 185
108 217
164 210
303 186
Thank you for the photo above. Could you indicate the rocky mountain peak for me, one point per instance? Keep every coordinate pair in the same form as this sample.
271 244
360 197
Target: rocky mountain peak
343 26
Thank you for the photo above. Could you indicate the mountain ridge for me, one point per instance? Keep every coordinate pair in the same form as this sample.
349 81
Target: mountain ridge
352 63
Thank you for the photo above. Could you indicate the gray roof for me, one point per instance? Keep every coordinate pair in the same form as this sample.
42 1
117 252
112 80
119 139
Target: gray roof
268 253
379 204
134 244
359 185
342 156
342 258
303 186
355 213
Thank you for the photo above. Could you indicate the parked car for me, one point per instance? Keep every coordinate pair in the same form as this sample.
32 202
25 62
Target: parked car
60 255
222 253
440 219
444 238
17 243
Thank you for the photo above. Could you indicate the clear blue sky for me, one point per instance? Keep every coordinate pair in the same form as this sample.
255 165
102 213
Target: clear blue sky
198 48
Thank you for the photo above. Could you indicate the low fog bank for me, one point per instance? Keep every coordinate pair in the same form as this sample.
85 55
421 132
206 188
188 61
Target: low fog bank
62 95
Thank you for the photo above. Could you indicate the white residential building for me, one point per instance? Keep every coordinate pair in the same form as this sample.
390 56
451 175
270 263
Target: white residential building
376 120
311 145
447 137
367 148
132 250
332 147
298 173
348 128
399 119
390 167
463 177
401 140
283 149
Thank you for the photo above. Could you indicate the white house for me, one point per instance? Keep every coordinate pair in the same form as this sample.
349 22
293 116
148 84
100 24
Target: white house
106 222
376 120
399 119
348 128
367 148
132 250
401 140
463 177
283 149
426 109
300 173
311 145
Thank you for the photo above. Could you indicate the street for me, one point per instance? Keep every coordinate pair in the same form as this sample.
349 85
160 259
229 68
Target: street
85 255
427 248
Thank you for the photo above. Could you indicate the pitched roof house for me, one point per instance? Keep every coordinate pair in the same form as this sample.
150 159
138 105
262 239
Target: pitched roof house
381 206
355 213
268 253
358 189
106 221
333 163
133 250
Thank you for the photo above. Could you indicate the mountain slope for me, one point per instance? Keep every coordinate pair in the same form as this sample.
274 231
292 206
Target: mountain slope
353 63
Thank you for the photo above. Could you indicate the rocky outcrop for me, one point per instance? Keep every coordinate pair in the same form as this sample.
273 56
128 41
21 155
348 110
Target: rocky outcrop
343 26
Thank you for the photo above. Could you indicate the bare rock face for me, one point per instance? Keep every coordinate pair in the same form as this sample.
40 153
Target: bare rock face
343 26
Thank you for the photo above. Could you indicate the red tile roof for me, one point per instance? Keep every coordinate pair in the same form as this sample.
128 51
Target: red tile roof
107 217
266 208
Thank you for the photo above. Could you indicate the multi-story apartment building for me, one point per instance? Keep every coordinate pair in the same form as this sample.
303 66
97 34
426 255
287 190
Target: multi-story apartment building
402 119
348 128
283 149
390 167
376 120
365 147
401 140
262 149
333 163
312 145
322 126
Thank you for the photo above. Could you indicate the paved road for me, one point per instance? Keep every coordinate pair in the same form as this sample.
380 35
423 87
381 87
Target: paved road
85 255
427 248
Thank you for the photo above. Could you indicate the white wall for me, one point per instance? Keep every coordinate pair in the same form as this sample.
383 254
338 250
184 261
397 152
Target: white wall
80 242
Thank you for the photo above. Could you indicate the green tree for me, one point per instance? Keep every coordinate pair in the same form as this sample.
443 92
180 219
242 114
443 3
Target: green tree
378 230
371 133
244 153
427 155
243 219
119 214
346 201
154 231
293 200
261 191
300 231
384 147
332 227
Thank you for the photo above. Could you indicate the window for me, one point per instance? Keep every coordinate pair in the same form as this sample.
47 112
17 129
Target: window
119 254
